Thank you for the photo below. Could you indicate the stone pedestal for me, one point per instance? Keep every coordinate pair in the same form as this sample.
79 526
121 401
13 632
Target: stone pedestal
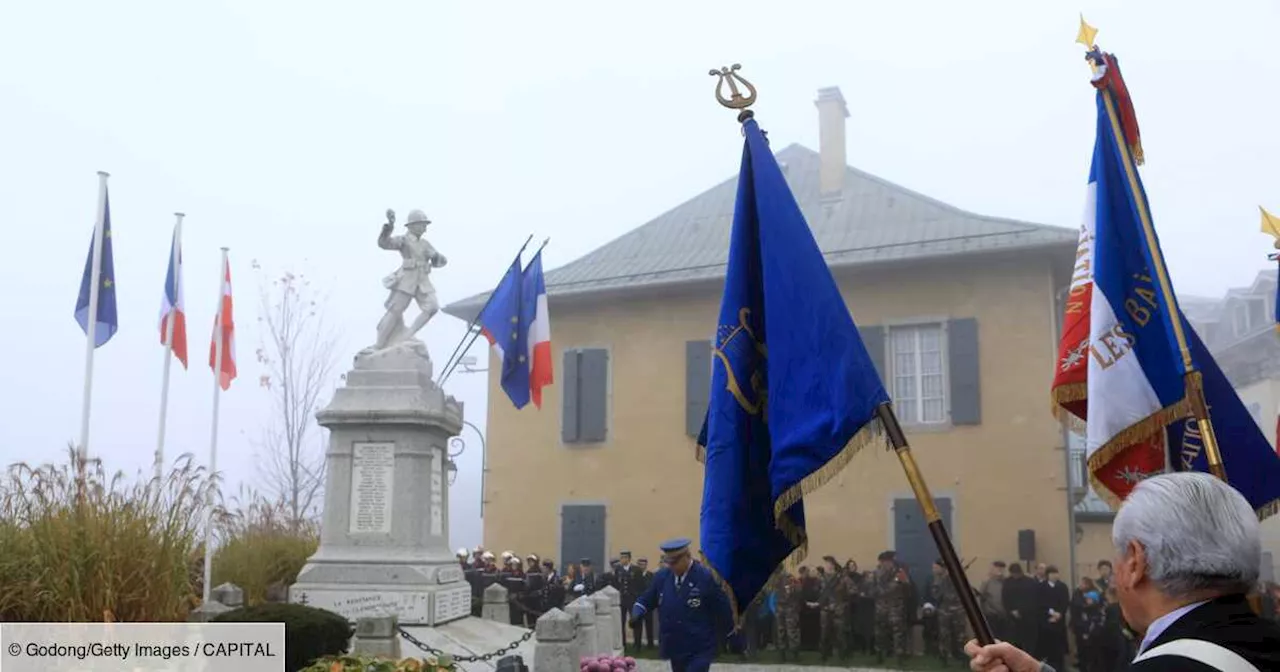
497 606
618 620
606 622
583 611
384 538
555 650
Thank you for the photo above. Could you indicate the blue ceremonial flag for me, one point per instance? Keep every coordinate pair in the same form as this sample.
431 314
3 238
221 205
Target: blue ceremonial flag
501 324
1137 383
793 391
106 322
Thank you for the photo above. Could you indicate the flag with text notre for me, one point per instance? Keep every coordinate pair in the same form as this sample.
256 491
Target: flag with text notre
500 324
536 320
793 391
172 306
224 334
106 320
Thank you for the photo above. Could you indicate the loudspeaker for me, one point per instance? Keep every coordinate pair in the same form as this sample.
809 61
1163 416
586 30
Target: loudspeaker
1026 545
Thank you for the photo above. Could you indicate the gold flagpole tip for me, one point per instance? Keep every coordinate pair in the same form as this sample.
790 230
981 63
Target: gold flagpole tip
1086 34
728 76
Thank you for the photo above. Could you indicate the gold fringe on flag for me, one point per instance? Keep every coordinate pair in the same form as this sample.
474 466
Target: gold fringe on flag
794 533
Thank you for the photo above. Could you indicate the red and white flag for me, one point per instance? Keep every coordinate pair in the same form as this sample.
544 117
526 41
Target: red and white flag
535 290
224 334
173 306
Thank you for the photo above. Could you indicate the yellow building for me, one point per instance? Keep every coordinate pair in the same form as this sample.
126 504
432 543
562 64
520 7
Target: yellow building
959 310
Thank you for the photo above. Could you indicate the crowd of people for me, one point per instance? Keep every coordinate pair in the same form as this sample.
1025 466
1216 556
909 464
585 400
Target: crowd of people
836 610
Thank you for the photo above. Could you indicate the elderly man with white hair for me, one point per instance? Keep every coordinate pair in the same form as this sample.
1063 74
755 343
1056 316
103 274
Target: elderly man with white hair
1187 554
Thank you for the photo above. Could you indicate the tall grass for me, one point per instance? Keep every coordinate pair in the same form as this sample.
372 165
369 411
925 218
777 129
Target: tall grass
101 549
260 545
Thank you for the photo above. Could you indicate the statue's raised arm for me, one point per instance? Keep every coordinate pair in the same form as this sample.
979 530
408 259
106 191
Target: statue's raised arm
409 283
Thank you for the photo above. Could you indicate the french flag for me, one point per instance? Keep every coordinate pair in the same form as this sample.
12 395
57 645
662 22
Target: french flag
538 322
224 333
172 306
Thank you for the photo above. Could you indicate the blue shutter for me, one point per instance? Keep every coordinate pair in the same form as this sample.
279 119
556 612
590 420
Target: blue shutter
873 339
966 387
697 385
572 391
593 395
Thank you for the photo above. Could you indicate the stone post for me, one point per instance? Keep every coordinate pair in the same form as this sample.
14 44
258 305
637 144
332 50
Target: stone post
554 648
378 636
584 615
615 611
229 594
606 622
496 607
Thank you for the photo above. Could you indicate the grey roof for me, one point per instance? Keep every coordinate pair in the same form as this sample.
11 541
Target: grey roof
870 221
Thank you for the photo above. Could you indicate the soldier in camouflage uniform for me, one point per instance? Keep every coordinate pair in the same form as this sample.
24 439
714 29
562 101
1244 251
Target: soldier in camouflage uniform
891 587
787 617
951 623
834 604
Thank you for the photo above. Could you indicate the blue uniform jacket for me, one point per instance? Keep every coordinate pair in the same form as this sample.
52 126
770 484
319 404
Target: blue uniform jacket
693 618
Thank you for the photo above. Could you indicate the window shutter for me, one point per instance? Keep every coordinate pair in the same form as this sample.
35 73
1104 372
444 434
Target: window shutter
873 339
572 391
593 400
697 385
966 388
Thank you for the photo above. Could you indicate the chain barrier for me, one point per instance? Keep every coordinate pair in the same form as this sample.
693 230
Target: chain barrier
475 658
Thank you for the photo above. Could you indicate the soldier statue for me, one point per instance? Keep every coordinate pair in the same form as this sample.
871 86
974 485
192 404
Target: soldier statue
411 282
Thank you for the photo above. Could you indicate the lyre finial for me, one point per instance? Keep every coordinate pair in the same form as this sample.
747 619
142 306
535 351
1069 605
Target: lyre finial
728 75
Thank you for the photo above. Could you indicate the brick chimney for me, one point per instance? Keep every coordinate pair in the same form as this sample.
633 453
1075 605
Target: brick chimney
832 112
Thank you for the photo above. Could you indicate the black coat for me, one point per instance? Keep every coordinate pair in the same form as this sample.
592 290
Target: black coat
1228 622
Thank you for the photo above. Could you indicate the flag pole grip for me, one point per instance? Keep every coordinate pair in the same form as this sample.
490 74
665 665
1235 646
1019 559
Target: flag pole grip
947 550
1204 423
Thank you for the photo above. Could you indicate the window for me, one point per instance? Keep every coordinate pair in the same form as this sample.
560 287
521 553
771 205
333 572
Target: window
1240 319
586 395
919 378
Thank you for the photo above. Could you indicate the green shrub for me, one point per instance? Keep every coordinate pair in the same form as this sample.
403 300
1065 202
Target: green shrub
309 633
260 545
372 664
101 548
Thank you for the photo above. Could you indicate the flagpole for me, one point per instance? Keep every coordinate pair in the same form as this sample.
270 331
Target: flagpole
946 549
218 337
95 273
1193 379
474 333
174 269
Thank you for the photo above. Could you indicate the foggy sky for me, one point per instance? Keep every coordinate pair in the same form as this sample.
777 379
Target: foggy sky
284 130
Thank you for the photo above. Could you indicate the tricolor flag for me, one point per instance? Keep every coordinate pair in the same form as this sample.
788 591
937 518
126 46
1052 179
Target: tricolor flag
500 324
224 333
537 322
1121 367
105 320
172 306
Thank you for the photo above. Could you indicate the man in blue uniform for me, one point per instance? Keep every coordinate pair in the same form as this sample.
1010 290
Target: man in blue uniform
693 613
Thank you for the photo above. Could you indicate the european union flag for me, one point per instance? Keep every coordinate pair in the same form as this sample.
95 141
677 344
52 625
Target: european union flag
501 324
793 391
105 323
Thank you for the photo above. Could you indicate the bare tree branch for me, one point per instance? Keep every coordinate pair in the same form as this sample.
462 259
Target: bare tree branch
297 355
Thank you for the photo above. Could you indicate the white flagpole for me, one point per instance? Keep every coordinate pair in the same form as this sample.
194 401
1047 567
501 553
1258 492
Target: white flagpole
95 278
213 434
175 269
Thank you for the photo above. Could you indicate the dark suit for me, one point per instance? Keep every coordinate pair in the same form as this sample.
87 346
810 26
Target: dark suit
627 580
1228 622
1053 636
1021 594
